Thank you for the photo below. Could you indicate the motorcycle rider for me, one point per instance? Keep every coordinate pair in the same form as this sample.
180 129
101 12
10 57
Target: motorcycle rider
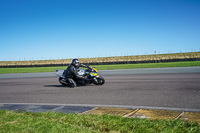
71 73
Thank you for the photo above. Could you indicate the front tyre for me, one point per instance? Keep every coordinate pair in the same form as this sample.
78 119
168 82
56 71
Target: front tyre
99 80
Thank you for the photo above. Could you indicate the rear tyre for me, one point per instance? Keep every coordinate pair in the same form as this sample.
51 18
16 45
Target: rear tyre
62 81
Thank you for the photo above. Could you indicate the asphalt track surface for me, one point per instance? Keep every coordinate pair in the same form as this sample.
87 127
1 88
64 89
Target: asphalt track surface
158 88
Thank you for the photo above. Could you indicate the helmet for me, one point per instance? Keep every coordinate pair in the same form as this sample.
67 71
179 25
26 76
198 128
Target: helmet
75 62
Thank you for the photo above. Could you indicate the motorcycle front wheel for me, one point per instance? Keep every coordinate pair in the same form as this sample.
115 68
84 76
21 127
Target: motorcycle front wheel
100 81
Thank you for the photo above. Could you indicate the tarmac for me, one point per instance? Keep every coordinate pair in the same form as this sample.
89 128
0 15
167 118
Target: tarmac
193 116
124 111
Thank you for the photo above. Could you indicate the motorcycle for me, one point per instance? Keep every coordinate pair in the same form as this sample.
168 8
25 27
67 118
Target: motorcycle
92 77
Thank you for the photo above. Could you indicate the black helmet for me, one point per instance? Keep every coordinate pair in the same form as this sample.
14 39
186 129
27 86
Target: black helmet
75 62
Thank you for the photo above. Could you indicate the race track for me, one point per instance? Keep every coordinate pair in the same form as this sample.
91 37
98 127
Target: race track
165 88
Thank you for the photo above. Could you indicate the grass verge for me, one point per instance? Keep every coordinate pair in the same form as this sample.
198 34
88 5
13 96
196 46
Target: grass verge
11 121
29 69
149 65
103 67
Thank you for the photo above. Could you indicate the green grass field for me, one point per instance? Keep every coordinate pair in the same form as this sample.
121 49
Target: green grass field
51 122
103 67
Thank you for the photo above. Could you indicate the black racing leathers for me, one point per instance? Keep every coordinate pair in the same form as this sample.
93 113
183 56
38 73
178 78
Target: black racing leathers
71 72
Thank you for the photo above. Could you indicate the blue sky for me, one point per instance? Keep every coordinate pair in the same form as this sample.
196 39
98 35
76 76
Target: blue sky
55 29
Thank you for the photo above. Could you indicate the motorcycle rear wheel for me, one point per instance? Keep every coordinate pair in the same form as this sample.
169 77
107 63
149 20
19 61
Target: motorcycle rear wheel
62 83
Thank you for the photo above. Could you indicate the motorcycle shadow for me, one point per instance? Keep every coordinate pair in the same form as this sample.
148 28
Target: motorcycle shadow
67 86
54 86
